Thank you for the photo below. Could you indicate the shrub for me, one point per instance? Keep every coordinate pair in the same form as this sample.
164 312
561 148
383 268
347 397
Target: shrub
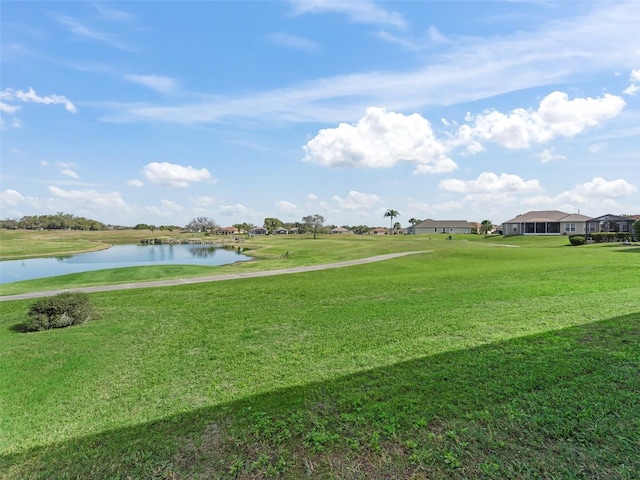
576 240
636 229
59 311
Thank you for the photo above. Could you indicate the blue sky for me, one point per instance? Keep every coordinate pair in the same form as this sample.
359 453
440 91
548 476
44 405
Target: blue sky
159 112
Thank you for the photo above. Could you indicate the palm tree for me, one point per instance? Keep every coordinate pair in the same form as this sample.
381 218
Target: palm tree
485 226
414 221
393 214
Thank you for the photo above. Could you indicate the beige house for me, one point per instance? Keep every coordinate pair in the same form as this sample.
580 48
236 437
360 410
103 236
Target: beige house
441 226
340 231
546 222
228 231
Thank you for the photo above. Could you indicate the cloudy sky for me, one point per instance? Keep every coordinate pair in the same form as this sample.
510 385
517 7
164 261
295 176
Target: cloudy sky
159 112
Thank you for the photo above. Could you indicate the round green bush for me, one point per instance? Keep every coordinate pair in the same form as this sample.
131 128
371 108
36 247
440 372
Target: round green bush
59 311
576 240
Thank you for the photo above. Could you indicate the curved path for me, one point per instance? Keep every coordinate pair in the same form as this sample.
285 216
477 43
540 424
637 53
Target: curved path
212 278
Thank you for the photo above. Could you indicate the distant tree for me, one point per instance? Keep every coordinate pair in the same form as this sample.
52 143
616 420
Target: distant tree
361 229
244 227
272 224
396 227
486 226
414 221
314 223
636 230
202 224
391 213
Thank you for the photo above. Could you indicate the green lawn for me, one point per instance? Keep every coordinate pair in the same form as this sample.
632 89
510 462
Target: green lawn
473 360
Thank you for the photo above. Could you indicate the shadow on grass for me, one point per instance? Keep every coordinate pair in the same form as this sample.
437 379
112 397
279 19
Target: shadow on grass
19 328
563 404
630 249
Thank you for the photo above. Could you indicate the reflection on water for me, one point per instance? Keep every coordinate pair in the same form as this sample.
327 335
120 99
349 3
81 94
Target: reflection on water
202 251
117 257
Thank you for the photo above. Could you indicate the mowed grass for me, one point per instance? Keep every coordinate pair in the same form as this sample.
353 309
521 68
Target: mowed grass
470 361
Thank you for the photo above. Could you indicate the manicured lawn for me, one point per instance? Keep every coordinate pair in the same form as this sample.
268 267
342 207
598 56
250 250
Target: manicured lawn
473 360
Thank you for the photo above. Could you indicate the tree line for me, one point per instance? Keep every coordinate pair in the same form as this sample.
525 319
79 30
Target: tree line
59 221
310 224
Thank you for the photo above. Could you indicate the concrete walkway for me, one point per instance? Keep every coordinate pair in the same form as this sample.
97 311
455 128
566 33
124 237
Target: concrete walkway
213 278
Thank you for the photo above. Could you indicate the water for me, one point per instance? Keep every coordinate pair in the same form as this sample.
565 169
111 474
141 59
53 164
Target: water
117 257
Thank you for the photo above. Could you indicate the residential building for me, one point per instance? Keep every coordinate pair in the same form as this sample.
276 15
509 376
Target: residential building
546 222
430 226
611 223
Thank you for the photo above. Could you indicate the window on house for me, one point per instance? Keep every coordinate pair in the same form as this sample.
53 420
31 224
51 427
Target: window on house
570 227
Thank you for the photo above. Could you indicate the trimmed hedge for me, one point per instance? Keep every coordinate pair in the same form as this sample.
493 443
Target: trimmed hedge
610 237
577 239
59 311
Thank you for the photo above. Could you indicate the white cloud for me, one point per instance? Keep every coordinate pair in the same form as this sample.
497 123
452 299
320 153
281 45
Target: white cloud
166 209
596 147
465 72
10 197
601 188
158 83
634 87
172 175
595 197
6 108
204 201
380 139
288 208
359 12
548 155
556 116
81 30
312 197
237 210
69 173
357 200
135 183
111 14
31 96
89 198
489 183
293 42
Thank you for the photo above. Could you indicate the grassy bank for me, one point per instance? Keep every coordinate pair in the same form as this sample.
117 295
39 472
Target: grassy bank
470 361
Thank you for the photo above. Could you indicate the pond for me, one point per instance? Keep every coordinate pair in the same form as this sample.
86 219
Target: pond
118 256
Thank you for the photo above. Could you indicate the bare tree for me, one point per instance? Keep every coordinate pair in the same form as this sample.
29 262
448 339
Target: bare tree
202 224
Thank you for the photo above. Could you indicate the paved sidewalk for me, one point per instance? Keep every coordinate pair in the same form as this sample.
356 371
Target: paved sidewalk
213 278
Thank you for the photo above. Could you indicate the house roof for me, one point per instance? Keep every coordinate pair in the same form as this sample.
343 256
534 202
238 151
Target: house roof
548 216
615 218
428 223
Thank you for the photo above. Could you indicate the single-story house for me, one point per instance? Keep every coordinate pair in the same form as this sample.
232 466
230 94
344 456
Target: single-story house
611 223
227 231
259 231
281 231
546 222
340 230
379 231
441 226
